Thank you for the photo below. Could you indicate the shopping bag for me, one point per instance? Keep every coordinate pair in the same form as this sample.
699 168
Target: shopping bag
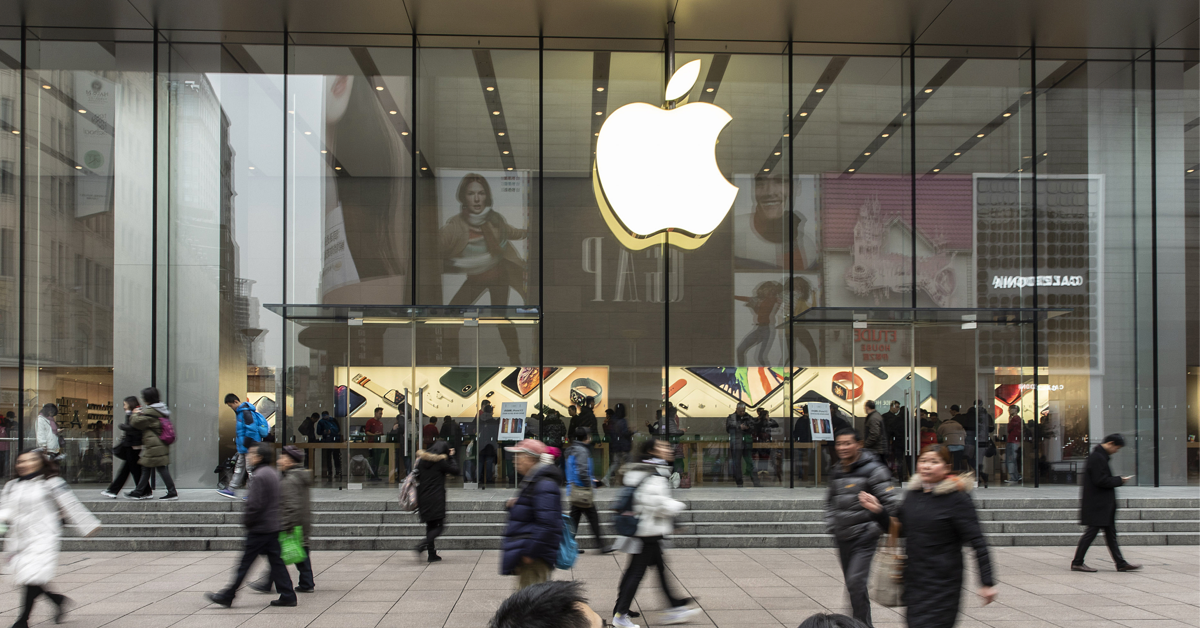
291 546
887 570
568 547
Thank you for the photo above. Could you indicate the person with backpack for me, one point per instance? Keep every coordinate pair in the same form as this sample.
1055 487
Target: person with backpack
153 420
649 499
433 465
581 485
329 431
249 430
35 505
534 528
127 451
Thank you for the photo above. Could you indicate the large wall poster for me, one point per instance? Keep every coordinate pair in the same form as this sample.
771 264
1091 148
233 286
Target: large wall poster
484 227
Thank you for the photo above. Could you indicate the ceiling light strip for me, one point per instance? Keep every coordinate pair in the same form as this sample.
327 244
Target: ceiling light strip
388 103
712 82
601 62
491 97
826 80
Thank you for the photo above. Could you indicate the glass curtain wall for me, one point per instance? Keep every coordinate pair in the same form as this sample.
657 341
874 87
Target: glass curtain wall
11 141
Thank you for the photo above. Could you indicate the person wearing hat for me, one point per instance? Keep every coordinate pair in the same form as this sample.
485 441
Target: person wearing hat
294 510
534 527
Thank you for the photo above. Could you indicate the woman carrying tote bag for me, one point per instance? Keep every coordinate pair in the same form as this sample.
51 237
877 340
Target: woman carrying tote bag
938 518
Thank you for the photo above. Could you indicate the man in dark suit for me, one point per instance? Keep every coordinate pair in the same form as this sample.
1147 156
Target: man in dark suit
1098 506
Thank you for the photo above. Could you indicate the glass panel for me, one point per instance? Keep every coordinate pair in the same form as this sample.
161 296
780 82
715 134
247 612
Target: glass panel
10 221
88 182
224 212
1191 191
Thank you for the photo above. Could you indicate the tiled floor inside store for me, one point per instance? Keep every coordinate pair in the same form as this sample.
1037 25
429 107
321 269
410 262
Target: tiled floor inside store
760 588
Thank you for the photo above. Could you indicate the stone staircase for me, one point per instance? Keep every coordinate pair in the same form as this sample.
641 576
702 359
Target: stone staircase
372 520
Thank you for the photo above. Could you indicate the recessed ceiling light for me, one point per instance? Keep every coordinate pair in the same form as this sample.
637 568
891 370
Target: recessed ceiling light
819 90
495 113
490 88
766 169
776 152
904 114
787 134
599 113
292 112
1027 157
45 87
79 167
851 170
505 152
83 111
1020 170
710 90
1007 114
980 135
599 89
937 169
867 154
424 168
1028 93
379 88
252 167
1191 170
957 154
308 132
501 134
510 168
16 132
1044 154
885 135
404 133
596 134
393 112
337 167
928 90
803 114
324 152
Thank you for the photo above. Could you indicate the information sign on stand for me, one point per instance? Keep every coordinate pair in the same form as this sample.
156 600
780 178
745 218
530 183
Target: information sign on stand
822 421
512 420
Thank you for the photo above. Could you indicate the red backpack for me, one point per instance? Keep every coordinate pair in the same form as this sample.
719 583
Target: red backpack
168 431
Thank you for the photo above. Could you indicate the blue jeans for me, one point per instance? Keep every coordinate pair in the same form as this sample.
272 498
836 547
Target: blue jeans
1012 459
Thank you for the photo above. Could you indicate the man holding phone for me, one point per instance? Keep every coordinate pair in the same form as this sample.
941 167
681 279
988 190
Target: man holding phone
1098 506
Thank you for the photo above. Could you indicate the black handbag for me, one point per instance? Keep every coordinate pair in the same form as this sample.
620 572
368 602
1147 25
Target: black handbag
990 451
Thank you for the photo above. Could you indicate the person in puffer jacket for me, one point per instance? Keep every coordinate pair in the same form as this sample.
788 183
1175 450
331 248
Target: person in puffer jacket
853 527
656 511
532 535
295 510
156 454
246 435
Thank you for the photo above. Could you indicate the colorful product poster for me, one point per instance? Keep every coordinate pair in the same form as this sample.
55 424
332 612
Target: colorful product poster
512 420
822 421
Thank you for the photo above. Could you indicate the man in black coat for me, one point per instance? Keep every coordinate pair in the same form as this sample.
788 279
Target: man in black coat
1098 506
261 518
852 525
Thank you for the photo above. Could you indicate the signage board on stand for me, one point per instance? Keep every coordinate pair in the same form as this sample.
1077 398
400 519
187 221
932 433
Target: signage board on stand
512 420
822 421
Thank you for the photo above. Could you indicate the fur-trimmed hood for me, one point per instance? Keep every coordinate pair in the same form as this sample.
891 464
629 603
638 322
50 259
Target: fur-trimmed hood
425 455
964 482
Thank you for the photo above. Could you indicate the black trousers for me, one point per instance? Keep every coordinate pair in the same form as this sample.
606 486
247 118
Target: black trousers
855 557
129 467
1110 538
650 556
143 485
433 529
331 460
306 574
32 591
262 544
593 518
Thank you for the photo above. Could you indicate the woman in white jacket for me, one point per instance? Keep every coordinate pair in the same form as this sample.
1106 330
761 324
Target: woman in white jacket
656 511
47 430
33 506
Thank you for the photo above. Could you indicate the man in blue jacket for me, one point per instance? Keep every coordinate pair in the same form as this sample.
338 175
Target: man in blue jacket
247 435
534 529
580 485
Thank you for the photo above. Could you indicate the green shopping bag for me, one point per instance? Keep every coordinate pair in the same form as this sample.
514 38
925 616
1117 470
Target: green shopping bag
291 546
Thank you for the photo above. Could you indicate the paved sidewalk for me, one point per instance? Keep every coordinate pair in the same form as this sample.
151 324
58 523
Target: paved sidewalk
760 588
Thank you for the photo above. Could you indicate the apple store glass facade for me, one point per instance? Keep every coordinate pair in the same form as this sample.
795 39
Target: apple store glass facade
406 236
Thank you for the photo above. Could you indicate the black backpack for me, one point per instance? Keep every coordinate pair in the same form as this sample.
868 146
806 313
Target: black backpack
625 521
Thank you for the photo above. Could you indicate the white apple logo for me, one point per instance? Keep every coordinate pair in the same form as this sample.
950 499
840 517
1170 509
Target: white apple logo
656 169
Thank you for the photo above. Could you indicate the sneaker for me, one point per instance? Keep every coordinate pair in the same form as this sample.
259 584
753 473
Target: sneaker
227 492
169 497
135 495
680 614
607 550
218 600
109 494
622 621
283 602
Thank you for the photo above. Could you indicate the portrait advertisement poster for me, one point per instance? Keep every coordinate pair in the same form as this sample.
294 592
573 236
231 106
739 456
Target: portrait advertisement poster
822 422
760 224
483 218
94 133
512 420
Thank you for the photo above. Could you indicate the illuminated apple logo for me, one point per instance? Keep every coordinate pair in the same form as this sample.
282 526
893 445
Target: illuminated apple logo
656 169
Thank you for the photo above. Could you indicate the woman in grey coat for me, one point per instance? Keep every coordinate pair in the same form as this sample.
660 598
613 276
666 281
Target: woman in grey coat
295 510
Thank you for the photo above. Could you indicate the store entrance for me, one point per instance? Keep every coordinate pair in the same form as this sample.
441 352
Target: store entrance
966 378
370 386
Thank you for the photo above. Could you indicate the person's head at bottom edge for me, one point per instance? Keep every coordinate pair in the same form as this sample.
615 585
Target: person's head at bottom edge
552 604
831 620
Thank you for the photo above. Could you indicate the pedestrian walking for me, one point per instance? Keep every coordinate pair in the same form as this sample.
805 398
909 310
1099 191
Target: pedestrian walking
656 511
740 428
534 528
876 432
1098 505
938 517
295 511
433 465
262 522
127 451
581 486
151 421
853 527
330 431
1012 449
33 507
246 434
